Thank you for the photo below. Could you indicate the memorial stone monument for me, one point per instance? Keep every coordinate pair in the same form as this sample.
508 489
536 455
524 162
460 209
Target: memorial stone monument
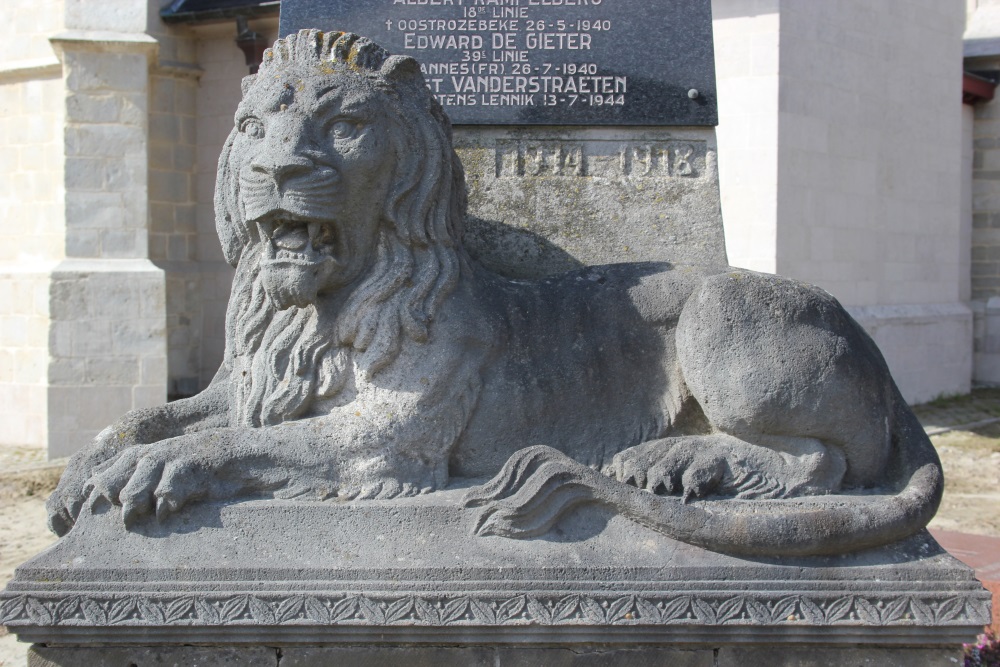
516 413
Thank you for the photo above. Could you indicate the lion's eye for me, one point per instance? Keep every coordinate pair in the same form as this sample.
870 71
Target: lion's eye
344 129
252 128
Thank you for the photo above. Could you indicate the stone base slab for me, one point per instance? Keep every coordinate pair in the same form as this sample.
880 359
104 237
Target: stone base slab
982 553
409 572
486 656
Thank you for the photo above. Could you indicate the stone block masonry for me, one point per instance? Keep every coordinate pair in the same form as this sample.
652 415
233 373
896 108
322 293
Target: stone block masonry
320 656
31 208
985 233
838 171
82 323
108 330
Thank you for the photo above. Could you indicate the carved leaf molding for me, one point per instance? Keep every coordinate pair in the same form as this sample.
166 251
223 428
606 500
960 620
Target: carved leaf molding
382 610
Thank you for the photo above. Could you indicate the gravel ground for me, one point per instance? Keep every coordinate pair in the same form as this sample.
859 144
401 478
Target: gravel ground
26 479
966 432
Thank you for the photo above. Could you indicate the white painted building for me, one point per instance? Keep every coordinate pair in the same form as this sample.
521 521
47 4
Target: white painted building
845 159
841 163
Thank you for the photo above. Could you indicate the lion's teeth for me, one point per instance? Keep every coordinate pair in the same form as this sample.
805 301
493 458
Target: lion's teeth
266 228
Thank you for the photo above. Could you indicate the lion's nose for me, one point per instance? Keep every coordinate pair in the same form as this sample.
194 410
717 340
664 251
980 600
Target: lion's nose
282 170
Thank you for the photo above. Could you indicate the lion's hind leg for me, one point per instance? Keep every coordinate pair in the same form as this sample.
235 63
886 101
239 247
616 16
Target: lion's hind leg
778 365
720 464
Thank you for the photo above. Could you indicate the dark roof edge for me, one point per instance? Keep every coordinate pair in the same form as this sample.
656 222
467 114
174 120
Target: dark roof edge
262 9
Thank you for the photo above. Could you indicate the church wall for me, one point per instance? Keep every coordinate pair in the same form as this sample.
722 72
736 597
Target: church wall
746 62
172 228
107 338
985 242
31 216
870 197
868 172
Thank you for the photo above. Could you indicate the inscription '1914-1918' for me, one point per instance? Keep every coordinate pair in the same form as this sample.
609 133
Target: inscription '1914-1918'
670 159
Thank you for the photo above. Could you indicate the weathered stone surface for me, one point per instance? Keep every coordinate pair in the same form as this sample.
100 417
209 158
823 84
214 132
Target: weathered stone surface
367 656
370 357
527 63
495 657
839 657
153 656
544 201
408 572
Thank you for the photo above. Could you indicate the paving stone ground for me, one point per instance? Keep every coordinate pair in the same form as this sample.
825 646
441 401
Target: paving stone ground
982 405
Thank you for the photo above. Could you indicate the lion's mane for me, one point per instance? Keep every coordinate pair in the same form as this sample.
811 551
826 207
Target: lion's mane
283 360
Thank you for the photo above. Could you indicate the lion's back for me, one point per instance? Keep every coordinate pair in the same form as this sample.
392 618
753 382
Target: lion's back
585 363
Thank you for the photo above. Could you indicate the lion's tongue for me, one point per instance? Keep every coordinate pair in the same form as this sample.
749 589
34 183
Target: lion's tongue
294 238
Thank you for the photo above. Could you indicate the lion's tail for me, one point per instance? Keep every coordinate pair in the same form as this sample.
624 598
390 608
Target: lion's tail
538 485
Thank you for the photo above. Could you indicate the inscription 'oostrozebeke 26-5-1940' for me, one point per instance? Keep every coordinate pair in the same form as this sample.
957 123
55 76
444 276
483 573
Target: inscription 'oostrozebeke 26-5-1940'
543 62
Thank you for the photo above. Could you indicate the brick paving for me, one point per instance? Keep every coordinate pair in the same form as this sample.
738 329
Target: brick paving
982 554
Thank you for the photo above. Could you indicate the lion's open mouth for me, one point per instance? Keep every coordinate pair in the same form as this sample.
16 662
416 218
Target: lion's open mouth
288 237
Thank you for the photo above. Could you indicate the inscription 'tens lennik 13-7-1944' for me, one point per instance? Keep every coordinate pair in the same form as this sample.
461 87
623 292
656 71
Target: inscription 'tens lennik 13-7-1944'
543 62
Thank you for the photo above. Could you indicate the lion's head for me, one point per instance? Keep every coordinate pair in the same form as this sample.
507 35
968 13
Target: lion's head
340 202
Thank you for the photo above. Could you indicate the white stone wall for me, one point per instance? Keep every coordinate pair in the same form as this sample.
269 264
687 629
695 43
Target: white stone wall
82 328
746 62
31 216
870 170
107 342
983 28
870 145
172 226
867 187
26 28
24 326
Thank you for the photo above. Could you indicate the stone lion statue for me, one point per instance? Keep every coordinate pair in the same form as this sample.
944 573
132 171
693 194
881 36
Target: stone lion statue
369 357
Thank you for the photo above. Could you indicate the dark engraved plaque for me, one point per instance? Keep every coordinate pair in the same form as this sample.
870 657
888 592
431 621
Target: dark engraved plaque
543 62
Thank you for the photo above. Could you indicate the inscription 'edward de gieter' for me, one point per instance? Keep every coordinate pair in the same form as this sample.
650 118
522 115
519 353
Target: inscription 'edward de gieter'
601 159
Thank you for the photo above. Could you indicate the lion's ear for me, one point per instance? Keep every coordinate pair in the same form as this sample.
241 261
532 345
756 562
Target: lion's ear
400 68
247 82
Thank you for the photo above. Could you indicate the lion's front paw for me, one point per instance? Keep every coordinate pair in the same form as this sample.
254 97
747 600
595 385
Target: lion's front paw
387 477
65 503
381 490
147 479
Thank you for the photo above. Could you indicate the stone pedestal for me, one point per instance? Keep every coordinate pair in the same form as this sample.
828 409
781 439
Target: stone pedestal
489 656
405 582
545 200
